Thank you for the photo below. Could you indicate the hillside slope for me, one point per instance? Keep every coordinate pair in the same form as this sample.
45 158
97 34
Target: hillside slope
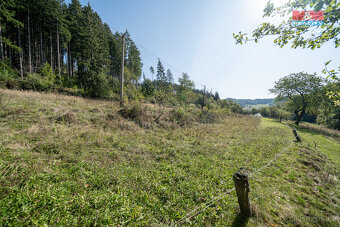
67 160
253 103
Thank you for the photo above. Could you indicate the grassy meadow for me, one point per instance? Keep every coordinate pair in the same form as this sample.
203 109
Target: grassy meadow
74 161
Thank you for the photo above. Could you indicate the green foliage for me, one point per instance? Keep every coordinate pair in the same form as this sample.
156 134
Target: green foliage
301 36
42 81
300 91
216 96
185 88
148 88
7 76
208 116
133 112
184 116
333 92
8 14
37 82
134 61
273 112
161 76
162 97
230 105
97 85
46 71
330 118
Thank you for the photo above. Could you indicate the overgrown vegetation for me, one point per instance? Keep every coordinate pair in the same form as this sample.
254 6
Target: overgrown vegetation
68 160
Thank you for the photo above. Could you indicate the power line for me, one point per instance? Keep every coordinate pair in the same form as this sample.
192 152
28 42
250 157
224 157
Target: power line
157 57
203 207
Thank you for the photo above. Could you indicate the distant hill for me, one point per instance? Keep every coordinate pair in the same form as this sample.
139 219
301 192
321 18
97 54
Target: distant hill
253 103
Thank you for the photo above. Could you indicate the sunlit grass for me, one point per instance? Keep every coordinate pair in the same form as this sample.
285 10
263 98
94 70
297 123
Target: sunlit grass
66 160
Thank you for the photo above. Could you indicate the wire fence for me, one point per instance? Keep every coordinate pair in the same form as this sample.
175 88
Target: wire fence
203 207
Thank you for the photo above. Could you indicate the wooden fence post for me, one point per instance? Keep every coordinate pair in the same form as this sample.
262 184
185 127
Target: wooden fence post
298 139
242 189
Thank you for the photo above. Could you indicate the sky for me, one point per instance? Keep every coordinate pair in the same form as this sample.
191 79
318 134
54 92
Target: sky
196 36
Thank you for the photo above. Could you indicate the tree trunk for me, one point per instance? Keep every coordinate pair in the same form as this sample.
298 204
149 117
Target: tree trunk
51 50
72 64
1 48
29 41
299 116
68 61
10 55
41 49
5 50
137 86
20 55
58 51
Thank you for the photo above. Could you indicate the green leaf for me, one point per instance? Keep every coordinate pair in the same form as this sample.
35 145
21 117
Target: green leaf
319 6
328 62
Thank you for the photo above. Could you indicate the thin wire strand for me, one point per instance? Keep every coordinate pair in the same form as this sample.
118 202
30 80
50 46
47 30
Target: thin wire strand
278 155
206 205
157 57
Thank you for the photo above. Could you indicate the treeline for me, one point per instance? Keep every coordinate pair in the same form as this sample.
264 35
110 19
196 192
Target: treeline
163 90
70 42
250 102
327 115
304 97
47 45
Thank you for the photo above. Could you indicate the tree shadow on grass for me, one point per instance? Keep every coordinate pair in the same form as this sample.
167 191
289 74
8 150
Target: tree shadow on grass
240 221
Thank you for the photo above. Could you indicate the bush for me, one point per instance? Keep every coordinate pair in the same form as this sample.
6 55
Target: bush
183 117
44 81
330 119
38 83
138 114
208 117
46 72
98 87
148 88
7 76
132 112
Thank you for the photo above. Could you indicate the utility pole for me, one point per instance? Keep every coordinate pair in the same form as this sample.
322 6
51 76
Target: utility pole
122 73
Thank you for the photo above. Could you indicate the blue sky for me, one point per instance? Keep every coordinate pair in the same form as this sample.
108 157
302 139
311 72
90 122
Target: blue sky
195 36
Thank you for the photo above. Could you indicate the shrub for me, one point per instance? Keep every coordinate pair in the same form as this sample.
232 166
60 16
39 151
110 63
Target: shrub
330 118
7 76
183 117
138 114
97 86
148 88
46 72
42 81
38 83
132 112
208 117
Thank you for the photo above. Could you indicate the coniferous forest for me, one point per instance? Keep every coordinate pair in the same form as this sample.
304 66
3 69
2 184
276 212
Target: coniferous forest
53 44
48 45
